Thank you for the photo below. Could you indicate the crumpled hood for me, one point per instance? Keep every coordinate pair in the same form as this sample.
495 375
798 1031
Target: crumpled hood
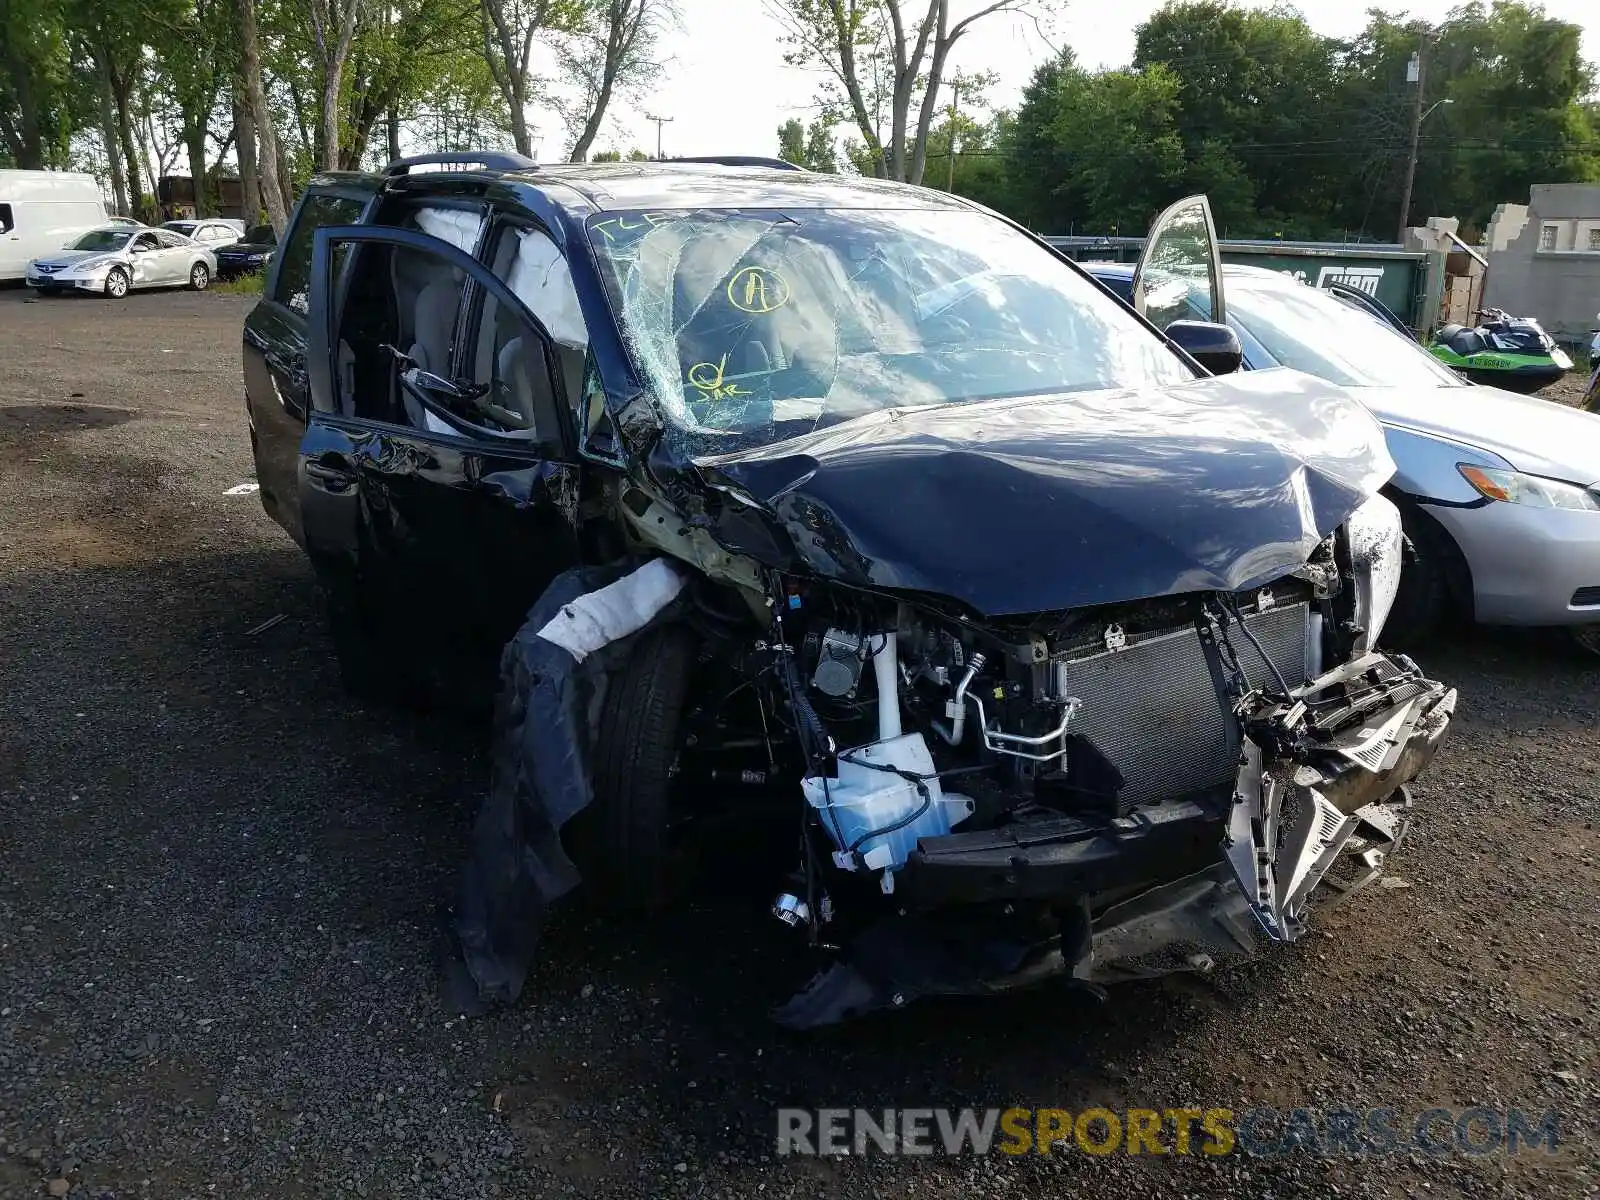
1029 505
1533 435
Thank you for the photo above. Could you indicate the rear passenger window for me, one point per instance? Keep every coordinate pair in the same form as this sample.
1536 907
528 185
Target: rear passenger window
294 268
7 223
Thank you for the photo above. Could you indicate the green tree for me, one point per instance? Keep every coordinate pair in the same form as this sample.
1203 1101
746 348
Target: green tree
884 65
35 77
792 141
1035 166
612 54
1516 81
1255 112
511 28
410 61
809 146
1106 146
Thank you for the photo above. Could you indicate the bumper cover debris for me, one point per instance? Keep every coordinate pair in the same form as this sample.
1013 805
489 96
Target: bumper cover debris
1324 770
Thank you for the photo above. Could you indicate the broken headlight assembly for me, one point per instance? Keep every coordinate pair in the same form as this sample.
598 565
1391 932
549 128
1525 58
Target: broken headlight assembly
1375 544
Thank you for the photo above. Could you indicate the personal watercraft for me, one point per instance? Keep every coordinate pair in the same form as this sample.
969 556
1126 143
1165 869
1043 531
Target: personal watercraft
1514 353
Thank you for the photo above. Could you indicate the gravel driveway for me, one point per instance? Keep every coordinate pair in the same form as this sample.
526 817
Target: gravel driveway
219 878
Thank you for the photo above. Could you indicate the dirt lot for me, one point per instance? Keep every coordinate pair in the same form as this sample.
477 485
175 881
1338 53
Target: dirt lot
218 879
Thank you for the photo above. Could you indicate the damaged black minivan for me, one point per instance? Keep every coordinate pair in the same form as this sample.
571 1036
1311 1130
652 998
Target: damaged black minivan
1049 643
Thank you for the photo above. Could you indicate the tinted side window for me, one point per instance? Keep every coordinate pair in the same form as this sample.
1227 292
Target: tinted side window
7 223
511 366
294 270
533 267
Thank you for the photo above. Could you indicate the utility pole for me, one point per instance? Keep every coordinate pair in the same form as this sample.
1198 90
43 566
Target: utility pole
660 121
1416 72
950 167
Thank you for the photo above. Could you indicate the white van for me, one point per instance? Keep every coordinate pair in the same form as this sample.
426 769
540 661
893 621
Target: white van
41 211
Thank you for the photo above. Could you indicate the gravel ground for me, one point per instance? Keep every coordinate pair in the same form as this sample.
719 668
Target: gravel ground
219 878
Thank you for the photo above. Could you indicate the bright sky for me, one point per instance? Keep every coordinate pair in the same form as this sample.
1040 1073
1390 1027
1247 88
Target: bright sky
727 88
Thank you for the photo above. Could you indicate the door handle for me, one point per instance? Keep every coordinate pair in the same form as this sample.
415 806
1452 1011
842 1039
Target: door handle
334 478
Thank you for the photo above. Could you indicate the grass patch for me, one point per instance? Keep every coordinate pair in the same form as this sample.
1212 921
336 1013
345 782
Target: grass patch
243 285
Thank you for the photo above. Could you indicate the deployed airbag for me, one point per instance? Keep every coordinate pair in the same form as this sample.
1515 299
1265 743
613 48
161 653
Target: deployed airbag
553 676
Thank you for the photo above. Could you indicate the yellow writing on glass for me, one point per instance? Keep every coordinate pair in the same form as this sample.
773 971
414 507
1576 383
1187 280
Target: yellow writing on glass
706 377
647 220
757 290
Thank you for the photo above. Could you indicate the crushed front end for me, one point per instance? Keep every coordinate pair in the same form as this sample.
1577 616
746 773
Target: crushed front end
1106 793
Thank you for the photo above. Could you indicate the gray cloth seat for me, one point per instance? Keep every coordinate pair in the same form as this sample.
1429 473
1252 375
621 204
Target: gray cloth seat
432 331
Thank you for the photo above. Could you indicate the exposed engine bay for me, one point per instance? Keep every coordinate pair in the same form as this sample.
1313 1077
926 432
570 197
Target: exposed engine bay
1103 793
987 797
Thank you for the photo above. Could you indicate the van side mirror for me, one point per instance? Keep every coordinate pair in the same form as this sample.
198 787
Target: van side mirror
1215 347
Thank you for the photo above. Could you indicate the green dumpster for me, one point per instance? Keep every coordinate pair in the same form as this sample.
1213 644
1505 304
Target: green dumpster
1395 277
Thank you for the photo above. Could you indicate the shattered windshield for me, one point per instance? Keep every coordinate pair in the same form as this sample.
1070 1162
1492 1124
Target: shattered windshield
754 326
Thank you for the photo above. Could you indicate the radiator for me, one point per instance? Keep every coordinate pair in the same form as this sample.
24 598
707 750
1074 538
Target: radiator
1151 708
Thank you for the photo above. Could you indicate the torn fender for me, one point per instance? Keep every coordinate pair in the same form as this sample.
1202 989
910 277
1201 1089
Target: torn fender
553 676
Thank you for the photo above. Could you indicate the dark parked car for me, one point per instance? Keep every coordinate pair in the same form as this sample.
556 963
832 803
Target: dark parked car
251 253
850 510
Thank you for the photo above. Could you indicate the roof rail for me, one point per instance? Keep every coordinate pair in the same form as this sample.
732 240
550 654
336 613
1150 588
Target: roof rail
740 160
502 160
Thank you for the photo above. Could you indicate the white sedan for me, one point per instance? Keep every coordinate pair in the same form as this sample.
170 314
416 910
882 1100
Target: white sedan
114 259
208 231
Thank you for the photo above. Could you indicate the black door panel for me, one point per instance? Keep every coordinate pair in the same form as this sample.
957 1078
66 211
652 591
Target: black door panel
277 395
439 534
444 542
276 381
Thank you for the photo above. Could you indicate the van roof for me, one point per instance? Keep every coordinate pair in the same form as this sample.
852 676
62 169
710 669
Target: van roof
16 174
66 187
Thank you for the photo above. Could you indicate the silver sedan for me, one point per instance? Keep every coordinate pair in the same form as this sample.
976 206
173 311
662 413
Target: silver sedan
114 259
1499 492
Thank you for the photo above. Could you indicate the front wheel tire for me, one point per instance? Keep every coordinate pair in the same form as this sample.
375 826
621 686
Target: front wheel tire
117 283
199 277
1424 602
620 842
